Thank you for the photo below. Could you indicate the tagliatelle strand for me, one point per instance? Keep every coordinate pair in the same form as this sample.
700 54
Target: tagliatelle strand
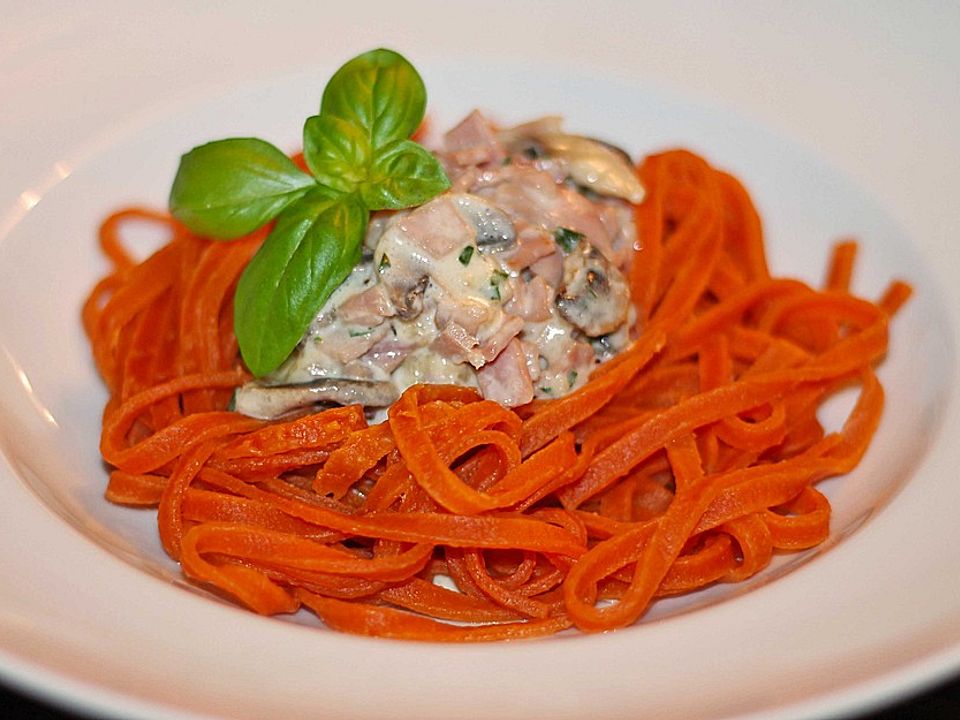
688 459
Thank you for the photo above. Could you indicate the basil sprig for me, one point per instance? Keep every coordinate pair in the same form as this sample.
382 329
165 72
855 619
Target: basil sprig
360 159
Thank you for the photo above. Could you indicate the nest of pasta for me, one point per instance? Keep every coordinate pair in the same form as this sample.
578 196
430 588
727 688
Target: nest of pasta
688 460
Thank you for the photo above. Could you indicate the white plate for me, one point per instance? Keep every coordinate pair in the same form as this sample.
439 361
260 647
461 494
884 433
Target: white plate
841 120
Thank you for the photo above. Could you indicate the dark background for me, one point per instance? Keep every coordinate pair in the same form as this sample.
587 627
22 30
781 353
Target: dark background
940 703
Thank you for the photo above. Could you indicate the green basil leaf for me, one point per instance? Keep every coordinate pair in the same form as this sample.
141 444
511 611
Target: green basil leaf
403 174
379 91
229 188
309 253
337 152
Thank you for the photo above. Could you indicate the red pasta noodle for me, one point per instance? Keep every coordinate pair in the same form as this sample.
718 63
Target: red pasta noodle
689 459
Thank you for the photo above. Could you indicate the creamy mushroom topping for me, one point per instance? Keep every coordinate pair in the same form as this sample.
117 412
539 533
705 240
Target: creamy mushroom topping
512 282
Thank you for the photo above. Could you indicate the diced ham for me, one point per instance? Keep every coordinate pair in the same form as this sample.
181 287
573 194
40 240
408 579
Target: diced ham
506 380
467 312
572 210
369 307
456 343
578 356
346 345
581 355
461 178
532 244
618 219
532 300
550 268
531 353
438 227
523 192
387 353
498 340
531 197
474 142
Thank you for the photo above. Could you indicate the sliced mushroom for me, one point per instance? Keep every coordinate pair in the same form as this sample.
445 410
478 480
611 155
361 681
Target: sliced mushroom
595 165
519 137
408 300
358 279
494 229
404 279
410 251
594 296
269 402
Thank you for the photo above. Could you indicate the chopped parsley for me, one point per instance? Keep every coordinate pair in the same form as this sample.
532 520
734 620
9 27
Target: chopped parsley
567 239
496 278
465 255
384 263
571 378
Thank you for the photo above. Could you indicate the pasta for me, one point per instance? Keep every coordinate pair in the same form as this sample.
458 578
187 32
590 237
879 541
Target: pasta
689 459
